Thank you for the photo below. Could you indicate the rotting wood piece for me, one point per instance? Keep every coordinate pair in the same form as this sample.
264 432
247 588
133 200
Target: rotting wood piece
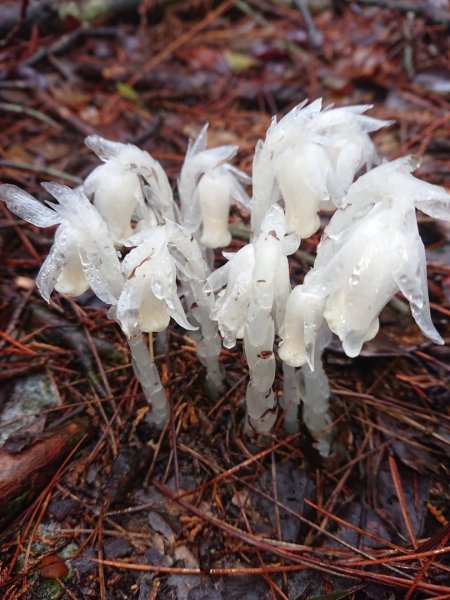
28 465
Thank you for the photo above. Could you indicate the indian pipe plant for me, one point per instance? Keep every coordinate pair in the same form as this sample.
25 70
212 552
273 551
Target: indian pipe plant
312 159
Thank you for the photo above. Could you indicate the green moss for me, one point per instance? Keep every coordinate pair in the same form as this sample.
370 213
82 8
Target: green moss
29 397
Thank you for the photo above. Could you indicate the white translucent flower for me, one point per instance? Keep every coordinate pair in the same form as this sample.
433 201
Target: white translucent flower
302 174
367 266
117 186
216 190
264 282
280 136
150 295
370 251
270 259
303 318
345 132
395 180
83 253
207 187
308 160
192 270
231 307
251 307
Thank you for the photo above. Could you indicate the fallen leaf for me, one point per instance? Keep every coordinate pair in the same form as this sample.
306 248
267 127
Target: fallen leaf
53 567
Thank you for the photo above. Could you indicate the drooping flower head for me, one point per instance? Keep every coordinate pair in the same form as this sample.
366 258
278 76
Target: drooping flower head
208 185
150 295
257 276
371 250
232 303
83 253
117 187
308 160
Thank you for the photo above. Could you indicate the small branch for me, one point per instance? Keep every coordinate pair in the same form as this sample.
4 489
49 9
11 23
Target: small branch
50 171
315 36
31 112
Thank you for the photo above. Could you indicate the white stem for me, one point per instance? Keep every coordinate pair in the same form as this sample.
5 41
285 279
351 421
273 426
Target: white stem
260 399
261 408
160 340
315 394
148 376
208 342
291 398
207 338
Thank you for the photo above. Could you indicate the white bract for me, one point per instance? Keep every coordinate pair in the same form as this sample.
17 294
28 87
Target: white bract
83 253
192 269
207 186
117 186
270 268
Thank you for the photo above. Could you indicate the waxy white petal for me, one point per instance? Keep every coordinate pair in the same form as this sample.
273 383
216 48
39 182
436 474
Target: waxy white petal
27 207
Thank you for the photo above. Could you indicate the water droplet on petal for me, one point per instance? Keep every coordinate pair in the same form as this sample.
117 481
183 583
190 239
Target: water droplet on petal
417 300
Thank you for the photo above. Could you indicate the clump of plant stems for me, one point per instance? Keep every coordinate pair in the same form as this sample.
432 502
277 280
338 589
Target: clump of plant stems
151 258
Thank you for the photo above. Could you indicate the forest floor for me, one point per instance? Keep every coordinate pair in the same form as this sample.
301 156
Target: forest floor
94 502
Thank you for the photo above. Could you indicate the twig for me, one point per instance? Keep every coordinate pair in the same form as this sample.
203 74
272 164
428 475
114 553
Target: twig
50 171
337 490
305 561
273 586
30 515
245 463
101 570
66 41
31 112
275 494
20 304
401 499
315 36
427 563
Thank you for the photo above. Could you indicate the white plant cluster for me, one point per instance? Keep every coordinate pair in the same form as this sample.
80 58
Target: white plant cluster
122 235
